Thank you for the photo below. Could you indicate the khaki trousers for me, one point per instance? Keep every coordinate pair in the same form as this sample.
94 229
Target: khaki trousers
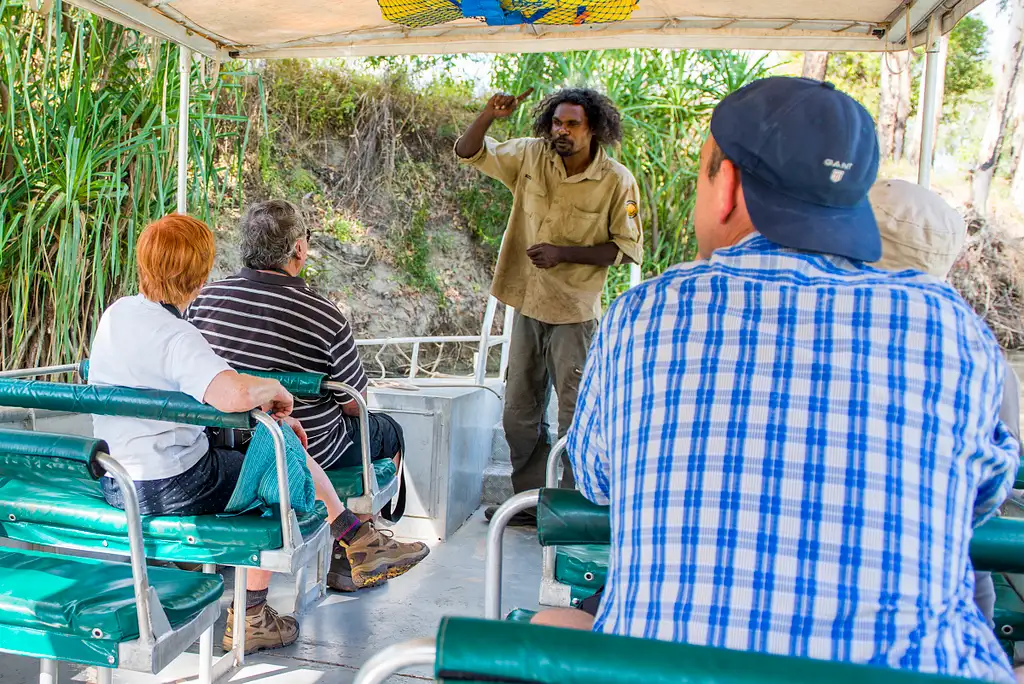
542 356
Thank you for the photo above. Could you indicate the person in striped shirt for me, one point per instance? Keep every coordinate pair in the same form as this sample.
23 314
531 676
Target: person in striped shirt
266 318
794 445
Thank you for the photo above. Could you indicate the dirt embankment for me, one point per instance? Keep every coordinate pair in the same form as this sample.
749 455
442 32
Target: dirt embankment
404 237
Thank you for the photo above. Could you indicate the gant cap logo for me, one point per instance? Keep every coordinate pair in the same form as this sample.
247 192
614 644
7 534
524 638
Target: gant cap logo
839 169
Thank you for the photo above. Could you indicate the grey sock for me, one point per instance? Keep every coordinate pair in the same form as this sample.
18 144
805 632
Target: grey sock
255 598
345 526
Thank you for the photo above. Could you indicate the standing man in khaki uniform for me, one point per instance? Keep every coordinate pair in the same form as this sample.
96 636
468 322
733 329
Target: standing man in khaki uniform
575 213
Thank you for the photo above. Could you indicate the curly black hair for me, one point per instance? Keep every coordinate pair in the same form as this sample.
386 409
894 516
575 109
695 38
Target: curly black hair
602 116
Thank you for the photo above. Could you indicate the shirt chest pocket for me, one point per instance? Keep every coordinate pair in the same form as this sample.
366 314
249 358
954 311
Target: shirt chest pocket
535 197
584 228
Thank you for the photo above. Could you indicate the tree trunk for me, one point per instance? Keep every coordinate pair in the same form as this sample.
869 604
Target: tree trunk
893 103
1017 152
902 113
1001 112
914 139
815 65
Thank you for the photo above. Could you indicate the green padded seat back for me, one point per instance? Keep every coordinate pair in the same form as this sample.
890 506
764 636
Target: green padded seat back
43 456
520 615
349 481
564 516
502 651
300 385
998 545
584 566
74 513
175 407
92 598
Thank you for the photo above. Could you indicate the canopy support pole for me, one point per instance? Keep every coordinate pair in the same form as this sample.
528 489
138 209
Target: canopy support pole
185 76
931 81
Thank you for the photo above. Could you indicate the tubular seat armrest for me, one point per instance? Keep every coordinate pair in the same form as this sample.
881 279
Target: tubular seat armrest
564 516
506 651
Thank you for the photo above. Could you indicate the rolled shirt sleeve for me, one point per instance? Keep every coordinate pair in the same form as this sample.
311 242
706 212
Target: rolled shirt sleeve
625 225
501 161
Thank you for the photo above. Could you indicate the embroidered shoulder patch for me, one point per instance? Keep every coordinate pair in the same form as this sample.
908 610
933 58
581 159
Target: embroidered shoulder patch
631 209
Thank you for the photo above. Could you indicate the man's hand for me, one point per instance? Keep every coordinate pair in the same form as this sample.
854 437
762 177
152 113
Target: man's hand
297 428
544 255
503 105
500 106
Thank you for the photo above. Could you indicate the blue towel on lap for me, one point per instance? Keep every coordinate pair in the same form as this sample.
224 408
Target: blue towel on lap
257 483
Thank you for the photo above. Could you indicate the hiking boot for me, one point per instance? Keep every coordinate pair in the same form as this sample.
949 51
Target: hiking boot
527 518
264 629
375 557
339 577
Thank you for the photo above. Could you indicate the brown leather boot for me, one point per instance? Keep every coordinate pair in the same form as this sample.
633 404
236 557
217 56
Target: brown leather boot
264 629
339 577
375 557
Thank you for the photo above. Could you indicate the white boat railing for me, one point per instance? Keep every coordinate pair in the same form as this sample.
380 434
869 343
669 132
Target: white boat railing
484 341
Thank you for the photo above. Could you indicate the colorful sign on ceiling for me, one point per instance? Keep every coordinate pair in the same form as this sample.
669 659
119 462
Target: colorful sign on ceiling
419 13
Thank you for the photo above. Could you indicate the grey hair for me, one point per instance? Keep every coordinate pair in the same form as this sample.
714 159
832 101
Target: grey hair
269 232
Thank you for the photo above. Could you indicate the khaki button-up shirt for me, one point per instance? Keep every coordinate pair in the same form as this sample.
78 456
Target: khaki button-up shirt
595 207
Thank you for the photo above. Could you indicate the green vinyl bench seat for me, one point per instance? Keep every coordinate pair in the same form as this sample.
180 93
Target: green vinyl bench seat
80 609
584 568
348 482
73 513
105 613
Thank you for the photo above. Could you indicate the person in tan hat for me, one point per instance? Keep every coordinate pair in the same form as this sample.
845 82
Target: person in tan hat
920 231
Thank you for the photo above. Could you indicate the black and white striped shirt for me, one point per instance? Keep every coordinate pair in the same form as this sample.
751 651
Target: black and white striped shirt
274 322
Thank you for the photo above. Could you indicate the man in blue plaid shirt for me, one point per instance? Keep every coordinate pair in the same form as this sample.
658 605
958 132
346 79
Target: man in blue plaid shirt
795 446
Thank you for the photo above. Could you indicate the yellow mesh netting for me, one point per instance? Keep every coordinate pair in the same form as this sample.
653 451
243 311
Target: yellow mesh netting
566 13
418 13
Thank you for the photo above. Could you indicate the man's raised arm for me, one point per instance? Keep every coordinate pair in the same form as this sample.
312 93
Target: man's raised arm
500 106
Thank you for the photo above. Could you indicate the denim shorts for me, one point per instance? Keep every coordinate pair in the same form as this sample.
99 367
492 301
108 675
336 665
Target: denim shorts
203 489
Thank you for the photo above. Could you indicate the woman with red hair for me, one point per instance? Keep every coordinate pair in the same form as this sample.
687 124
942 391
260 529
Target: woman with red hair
142 342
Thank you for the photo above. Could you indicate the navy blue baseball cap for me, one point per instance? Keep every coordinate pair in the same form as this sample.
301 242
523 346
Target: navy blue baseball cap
808 155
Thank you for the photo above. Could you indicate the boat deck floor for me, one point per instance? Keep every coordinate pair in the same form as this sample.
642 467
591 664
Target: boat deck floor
344 630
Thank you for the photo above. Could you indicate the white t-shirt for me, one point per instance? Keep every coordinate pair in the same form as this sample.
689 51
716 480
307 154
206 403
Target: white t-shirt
140 344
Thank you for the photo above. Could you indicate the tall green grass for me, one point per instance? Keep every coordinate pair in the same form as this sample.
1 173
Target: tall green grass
666 99
87 158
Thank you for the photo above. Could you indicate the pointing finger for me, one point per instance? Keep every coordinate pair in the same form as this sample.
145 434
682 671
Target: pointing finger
525 95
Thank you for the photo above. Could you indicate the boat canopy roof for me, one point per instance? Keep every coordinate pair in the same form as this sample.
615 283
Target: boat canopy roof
268 29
